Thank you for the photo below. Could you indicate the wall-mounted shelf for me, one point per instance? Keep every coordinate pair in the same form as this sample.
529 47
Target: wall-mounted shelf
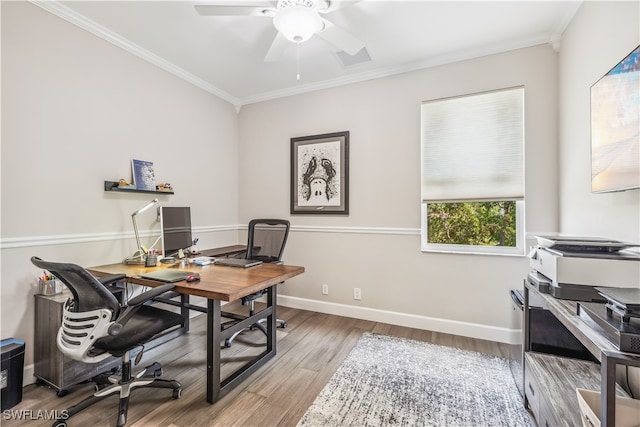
113 186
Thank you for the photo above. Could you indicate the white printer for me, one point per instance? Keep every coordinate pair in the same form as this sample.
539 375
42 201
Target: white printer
571 267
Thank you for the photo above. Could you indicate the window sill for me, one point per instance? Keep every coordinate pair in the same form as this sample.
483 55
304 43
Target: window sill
473 250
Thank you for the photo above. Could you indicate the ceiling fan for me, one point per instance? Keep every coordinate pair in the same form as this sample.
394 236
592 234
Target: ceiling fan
296 21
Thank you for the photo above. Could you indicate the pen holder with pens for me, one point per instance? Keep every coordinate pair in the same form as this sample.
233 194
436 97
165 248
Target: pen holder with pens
49 287
151 260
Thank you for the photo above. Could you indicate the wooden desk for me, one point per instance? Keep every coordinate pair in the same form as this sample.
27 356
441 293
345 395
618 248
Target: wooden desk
224 251
220 283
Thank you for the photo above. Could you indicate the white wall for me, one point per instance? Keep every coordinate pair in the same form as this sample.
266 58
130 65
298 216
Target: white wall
600 35
75 111
377 246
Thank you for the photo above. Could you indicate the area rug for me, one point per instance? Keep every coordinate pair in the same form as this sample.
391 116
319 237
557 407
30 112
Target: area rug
388 381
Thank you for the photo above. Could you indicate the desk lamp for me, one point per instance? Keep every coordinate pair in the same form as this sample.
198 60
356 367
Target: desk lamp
137 257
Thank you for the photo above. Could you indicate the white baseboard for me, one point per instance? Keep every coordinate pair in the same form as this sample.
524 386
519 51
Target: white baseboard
28 375
473 330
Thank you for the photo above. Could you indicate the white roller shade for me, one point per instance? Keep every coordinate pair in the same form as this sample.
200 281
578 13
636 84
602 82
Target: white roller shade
472 147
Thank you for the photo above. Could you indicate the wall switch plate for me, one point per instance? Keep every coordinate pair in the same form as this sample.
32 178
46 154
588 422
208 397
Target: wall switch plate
325 289
357 293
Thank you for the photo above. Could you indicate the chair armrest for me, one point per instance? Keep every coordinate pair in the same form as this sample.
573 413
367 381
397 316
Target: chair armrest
150 294
111 278
134 304
252 297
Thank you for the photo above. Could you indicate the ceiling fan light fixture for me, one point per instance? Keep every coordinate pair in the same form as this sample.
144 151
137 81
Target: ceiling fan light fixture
297 23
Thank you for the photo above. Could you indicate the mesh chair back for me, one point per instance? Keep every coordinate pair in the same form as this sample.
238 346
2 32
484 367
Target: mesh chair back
88 293
85 318
267 239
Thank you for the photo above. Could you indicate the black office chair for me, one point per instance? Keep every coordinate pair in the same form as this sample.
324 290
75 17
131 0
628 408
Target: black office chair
266 242
95 326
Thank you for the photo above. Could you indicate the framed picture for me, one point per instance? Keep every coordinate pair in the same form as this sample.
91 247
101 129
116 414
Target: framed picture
320 174
144 177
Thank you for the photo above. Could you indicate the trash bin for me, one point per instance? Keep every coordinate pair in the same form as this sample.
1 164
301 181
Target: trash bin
11 372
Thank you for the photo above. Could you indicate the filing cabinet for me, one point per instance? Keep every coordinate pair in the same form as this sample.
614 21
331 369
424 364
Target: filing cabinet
50 365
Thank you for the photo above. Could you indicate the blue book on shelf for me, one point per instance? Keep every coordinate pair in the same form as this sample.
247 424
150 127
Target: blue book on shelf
144 176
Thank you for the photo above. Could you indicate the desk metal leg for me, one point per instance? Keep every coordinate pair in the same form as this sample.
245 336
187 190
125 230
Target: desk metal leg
214 336
608 391
271 320
608 362
184 310
216 386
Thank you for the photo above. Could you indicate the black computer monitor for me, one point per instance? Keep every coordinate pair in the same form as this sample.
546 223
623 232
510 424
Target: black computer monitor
175 223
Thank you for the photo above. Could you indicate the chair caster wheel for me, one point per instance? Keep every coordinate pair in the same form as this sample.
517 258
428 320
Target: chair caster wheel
59 423
158 373
62 393
227 343
284 325
177 393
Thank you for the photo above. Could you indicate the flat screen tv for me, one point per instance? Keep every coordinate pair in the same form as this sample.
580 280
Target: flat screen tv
615 127
175 223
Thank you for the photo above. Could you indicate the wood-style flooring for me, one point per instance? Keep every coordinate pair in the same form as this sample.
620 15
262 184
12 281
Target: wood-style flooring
310 350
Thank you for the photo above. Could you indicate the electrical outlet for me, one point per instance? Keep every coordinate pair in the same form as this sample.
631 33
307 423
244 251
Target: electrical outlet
325 289
357 293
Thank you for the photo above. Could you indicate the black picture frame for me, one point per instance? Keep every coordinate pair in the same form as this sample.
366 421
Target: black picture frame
320 174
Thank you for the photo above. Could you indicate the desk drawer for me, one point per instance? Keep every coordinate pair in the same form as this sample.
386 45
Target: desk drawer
531 388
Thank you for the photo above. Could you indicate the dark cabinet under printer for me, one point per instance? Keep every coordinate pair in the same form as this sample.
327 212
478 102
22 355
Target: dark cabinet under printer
563 351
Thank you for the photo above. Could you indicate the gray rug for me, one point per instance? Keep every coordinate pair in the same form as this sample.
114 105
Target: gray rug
387 381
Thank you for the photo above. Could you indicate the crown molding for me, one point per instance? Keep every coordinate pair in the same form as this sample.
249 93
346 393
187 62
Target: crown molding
550 39
69 15
60 10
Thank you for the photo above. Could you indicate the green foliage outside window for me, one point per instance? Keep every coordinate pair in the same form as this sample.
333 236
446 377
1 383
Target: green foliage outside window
472 223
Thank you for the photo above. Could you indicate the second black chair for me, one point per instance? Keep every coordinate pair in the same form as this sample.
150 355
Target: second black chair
266 241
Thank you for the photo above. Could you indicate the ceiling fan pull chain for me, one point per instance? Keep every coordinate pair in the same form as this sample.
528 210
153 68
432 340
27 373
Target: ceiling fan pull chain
298 61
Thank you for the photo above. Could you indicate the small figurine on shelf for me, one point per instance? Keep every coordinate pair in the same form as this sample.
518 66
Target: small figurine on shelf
164 186
125 184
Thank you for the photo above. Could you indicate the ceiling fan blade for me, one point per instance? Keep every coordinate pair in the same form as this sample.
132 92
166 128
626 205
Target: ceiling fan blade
340 38
280 43
328 6
257 8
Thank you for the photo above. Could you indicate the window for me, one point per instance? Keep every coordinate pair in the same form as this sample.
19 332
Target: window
473 173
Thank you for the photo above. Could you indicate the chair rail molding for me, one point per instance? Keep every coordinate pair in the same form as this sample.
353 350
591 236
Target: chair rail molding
34 241
357 230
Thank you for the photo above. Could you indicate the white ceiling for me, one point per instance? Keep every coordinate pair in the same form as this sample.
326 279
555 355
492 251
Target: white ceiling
225 55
